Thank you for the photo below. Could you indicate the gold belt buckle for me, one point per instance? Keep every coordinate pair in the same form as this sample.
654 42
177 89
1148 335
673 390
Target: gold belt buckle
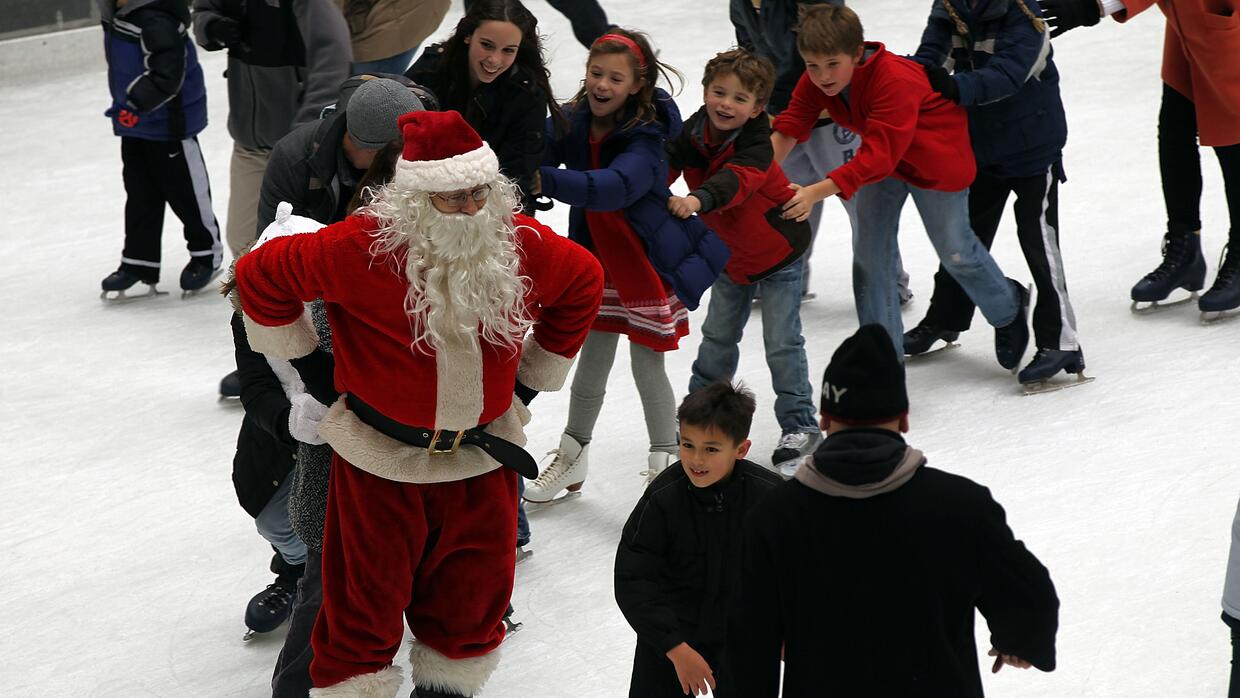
456 444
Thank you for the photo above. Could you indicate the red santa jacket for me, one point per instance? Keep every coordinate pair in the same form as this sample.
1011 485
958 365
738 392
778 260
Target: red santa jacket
742 190
458 387
907 130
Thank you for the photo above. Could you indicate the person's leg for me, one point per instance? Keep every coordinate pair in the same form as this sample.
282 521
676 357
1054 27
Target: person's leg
587 17
1229 163
463 582
394 65
946 217
245 181
726 316
523 521
590 384
274 526
1037 226
144 208
1179 161
874 256
658 400
785 350
188 192
291 678
950 307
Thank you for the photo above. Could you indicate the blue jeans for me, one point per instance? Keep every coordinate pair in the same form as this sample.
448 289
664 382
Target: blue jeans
946 217
273 525
396 65
719 353
523 522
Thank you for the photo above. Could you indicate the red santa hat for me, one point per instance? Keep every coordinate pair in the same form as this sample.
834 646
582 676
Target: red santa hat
442 153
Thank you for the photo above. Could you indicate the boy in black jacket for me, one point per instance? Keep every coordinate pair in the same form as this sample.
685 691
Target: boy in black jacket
676 566
878 561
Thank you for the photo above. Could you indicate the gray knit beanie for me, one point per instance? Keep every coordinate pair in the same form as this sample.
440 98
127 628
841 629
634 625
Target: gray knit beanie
373 109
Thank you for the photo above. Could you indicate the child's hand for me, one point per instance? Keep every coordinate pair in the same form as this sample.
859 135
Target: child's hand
802 202
694 673
683 206
1008 659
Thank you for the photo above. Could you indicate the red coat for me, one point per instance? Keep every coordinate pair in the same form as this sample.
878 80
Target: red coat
1201 60
460 388
907 130
742 190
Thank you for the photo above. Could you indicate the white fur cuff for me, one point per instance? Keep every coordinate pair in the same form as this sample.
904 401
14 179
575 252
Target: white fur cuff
430 669
540 369
381 684
291 341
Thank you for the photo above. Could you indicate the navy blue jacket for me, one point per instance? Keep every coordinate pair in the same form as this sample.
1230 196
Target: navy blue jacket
767 31
685 253
156 83
1008 82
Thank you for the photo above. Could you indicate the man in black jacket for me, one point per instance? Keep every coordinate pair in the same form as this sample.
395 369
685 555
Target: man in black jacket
865 570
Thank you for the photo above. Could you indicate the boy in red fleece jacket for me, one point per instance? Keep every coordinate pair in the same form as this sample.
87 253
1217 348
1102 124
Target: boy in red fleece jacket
724 151
914 142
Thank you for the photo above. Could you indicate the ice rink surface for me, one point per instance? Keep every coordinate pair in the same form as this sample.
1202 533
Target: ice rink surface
126 563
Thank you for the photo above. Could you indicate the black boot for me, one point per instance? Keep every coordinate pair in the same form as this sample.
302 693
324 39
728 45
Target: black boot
230 385
1047 362
1012 339
1225 293
1183 266
433 693
198 273
919 339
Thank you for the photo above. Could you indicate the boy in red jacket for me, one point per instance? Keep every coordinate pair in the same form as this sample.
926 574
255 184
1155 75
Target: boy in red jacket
724 151
914 142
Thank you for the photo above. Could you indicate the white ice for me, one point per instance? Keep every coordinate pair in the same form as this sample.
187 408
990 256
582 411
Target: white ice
126 562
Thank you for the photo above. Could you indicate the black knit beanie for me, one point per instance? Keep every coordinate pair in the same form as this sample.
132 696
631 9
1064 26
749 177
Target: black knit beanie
864 383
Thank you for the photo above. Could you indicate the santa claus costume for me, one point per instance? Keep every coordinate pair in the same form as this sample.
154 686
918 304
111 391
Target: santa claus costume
428 309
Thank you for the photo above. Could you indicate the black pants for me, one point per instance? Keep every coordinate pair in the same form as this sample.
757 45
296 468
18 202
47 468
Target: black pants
587 17
172 173
1037 227
292 674
654 675
1180 163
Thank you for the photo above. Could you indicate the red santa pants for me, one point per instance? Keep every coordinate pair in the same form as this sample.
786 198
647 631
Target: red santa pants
442 554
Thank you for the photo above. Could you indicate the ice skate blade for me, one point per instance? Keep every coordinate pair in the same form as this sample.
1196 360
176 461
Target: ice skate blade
249 635
1138 309
121 298
511 628
1209 317
523 555
946 346
1049 386
558 499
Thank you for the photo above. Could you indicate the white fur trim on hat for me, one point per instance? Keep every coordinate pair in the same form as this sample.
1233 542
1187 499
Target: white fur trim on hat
472 169
430 669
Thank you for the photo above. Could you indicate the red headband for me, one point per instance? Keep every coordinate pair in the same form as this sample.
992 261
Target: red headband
627 43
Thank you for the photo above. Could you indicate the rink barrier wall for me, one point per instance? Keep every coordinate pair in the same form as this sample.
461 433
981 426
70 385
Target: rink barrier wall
51 56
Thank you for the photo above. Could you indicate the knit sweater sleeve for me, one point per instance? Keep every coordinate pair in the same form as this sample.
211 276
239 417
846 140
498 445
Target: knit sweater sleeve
641 562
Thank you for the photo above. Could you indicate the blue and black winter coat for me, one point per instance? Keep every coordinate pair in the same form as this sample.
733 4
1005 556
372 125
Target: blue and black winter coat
1005 69
156 83
766 28
684 252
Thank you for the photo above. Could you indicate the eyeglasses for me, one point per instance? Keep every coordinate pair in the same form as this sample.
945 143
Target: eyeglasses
456 200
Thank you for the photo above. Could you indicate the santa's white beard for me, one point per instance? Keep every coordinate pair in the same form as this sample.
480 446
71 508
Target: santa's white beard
462 270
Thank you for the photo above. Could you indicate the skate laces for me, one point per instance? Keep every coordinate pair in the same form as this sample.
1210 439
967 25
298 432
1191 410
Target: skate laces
279 597
1173 248
559 466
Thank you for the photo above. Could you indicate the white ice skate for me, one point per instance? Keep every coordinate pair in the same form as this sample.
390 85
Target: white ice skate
656 463
568 470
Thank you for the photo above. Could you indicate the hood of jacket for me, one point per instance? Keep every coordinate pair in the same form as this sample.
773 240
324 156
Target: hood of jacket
860 463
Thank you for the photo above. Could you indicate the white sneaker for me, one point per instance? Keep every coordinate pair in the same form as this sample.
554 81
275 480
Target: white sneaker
656 463
792 449
567 471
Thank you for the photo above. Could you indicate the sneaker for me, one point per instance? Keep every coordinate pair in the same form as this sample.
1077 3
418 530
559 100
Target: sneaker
656 463
567 471
793 446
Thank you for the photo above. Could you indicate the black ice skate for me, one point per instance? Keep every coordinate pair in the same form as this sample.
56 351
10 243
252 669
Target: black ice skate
1224 295
230 386
196 275
510 626
270 607
120 281
1036 377
421 692
920 340
1183 266
1012 339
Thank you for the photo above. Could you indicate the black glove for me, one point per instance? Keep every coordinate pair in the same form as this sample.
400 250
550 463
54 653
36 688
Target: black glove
1063 15
942 82
318 371
524 393
223 32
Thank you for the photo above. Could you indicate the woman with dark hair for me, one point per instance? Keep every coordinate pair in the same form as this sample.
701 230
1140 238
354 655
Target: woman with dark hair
491 70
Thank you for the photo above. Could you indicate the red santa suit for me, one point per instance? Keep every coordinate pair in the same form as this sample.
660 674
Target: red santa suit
431 536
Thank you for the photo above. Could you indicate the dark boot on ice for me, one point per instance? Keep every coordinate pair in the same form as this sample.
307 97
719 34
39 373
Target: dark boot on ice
118 282
230 385
198 273
1183 266
432 693
270 607
1012 339
1048 362
1225 293
919 339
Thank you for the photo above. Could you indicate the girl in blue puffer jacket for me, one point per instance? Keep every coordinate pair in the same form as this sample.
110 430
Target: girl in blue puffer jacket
656 266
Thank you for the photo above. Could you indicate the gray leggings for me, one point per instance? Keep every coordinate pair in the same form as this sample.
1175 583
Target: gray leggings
590 385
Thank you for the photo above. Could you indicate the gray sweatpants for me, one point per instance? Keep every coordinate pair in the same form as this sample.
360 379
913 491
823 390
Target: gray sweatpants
590 385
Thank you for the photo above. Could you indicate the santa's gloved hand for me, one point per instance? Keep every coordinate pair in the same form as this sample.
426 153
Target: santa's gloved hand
304 416
317 370
1063 15
524 393
222 32
942 82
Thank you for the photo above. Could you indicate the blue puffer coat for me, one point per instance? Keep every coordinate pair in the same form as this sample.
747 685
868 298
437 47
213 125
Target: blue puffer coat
685 253
1005 69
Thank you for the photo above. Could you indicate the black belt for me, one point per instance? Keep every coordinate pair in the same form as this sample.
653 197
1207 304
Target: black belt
439 442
